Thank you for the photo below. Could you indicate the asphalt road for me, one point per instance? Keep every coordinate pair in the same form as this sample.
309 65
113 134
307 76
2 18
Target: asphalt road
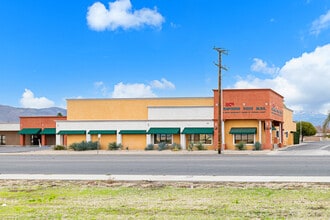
280 164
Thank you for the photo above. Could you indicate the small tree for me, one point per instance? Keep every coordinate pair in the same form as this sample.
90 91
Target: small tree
307 129
325 125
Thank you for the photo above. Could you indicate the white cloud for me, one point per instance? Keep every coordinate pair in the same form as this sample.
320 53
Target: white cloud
262 67
29 101
162 84
303 81
140 90
121 15
101 88
136 90
320 24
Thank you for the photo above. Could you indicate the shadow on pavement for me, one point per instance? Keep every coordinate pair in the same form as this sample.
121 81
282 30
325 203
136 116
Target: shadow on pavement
18 149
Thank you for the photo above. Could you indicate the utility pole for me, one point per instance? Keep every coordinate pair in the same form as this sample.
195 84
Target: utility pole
220 67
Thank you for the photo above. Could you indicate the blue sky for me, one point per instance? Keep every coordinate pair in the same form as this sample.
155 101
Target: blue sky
54 50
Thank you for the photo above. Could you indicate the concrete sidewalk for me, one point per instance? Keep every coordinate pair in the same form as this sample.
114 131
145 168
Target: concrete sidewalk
45 150
169 178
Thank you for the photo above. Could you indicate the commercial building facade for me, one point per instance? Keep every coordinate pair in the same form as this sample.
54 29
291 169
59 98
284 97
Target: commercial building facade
136 123
249 116
253 115
38 130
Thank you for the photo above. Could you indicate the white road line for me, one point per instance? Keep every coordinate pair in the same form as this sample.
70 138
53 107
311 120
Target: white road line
322 148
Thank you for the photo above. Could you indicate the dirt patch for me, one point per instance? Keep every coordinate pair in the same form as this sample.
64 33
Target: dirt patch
156 184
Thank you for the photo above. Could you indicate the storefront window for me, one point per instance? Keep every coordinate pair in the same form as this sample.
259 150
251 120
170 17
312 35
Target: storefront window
163 138
246 138
2 139
200 138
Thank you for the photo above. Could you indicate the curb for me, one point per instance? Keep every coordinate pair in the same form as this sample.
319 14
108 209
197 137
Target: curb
136 152
170 178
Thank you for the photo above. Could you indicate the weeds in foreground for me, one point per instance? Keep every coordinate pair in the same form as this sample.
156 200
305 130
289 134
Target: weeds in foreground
112 200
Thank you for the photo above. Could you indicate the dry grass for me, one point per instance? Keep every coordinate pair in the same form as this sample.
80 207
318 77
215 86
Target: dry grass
156 200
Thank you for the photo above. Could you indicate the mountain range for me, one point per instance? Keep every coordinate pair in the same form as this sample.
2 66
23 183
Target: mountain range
9 114
316 119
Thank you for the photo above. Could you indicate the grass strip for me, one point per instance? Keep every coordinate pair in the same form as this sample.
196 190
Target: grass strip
154 200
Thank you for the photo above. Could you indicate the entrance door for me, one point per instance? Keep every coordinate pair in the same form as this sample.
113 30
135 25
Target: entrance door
35 139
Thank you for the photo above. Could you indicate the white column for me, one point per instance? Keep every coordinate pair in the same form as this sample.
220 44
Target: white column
260 132
280 133
119 138
223 135
88 136
183 141
271 133
148 139
58 140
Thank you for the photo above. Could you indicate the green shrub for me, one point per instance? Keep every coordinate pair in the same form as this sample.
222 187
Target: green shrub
150 147
114 146
176 147
59 147
191 146
257 146
162 146
240 146
200 146
82 146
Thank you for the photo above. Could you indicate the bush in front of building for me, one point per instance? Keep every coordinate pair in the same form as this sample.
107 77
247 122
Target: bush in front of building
82 146
200 146
257 146
175 147
240 146
191 146
150 147
59 147
162 146
114 146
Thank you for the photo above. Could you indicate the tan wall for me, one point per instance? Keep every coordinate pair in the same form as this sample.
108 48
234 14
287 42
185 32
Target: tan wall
105 140
12 137
288 126
134 141
121 109
229 138
176 138
75 139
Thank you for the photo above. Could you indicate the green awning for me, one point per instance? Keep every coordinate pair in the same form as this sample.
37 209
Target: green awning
164 131
243 131
133 132
68 132
102 132
48 131
30 131
197 131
